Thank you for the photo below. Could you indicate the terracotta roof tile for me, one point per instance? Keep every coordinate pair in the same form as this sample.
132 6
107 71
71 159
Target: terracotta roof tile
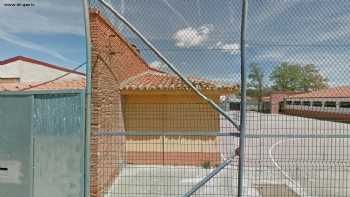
57 85
335 92
152 80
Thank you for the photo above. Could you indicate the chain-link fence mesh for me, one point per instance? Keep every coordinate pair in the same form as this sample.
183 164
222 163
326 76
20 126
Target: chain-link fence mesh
153 136
166 137
298 74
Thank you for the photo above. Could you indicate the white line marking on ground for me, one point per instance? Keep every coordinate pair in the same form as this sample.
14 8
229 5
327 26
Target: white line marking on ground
294 184
191 180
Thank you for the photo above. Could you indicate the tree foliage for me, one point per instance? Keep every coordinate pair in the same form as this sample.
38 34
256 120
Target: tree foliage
256 83
256 80
294 77
313 80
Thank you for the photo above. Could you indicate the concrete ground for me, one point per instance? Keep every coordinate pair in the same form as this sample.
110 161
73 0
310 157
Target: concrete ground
149 181
161 181
276 165
316 165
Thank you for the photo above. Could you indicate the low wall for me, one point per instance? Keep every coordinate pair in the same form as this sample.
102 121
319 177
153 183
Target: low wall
172 151
173 158
319 115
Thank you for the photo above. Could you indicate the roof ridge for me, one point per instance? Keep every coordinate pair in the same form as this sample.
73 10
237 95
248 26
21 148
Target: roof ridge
132 79
35 61
151 80
325 91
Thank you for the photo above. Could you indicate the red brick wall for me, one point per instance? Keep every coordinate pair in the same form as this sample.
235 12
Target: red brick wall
319 115
113 60
276 98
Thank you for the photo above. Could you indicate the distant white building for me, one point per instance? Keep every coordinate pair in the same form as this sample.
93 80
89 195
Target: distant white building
330 103
229 102
27 70
233 102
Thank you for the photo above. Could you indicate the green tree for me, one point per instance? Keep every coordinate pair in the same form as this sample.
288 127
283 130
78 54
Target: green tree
312 79
294 77
256 83
286 77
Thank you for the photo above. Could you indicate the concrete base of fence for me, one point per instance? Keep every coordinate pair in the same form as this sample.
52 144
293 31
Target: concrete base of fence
319 115
174 158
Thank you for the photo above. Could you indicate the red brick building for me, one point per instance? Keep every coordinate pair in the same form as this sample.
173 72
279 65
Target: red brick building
28 70
27 74
274 103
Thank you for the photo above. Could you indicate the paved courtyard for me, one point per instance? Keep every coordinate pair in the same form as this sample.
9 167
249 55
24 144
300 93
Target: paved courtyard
285 155
312 156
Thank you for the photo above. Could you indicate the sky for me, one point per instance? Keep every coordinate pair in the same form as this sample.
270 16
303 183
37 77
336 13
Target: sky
51 31
200 37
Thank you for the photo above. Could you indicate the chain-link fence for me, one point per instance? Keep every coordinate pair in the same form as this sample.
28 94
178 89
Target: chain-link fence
155 133
298 73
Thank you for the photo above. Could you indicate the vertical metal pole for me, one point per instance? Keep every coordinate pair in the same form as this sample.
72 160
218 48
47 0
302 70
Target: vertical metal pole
163 147
87 101
33 163
243 100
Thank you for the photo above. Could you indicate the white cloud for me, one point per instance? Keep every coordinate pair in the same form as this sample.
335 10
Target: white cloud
159 65
269 55
232 48
190 36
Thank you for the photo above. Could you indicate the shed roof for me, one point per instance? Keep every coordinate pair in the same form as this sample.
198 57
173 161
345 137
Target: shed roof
278 95
153 80
335 92
38 62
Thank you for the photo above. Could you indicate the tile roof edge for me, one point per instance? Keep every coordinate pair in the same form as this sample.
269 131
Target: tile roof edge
319 92
131 79
34 61
219 86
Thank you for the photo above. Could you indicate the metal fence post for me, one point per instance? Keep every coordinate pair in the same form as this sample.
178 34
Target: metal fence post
243 100
87 100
